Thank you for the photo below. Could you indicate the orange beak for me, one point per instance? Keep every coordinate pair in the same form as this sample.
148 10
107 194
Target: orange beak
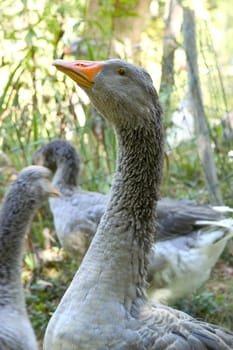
54 192
82 72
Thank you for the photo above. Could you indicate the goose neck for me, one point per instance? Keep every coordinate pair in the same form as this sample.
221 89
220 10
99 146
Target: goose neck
139 171
126 231
66 175
16 215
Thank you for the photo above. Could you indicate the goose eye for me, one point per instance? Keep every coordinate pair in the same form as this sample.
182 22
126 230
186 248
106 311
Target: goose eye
121 71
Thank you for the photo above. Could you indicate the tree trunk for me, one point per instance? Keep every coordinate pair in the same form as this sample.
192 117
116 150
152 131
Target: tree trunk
121 23
201 126
172 19
127 29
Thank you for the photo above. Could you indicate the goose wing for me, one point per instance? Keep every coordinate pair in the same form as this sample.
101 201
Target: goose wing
178 217
165 328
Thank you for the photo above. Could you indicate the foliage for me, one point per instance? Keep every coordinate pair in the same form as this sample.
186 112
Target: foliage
49 282
33 96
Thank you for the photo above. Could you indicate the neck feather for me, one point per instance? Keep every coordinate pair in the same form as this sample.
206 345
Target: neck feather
16 215
139 171
125 233
135 191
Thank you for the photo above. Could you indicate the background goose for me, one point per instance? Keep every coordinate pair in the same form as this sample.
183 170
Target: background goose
21 201
105 306
76 212
185 251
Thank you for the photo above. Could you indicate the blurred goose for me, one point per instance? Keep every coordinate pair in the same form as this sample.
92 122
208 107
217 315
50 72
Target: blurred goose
189 239
22 200
76 212
106 307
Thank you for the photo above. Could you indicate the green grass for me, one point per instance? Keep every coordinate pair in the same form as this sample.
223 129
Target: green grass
45 286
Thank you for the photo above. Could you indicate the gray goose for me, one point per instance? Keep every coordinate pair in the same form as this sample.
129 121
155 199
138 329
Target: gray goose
21 201
76 212
183 253
105 306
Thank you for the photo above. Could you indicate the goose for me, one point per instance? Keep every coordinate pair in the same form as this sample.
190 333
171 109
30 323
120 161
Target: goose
106 307
185 250
20 203
76 212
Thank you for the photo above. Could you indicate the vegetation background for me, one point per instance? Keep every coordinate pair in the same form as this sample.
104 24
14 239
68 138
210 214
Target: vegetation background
39 104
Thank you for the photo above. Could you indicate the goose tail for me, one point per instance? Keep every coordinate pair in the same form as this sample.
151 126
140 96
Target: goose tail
225 224
223 209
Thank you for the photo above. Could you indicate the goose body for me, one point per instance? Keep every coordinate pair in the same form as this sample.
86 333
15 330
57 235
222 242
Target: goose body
183 264
184 251
76 218
21 201
106 307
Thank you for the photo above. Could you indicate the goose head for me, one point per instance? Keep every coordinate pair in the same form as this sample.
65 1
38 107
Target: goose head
116 88
36 180
55 154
